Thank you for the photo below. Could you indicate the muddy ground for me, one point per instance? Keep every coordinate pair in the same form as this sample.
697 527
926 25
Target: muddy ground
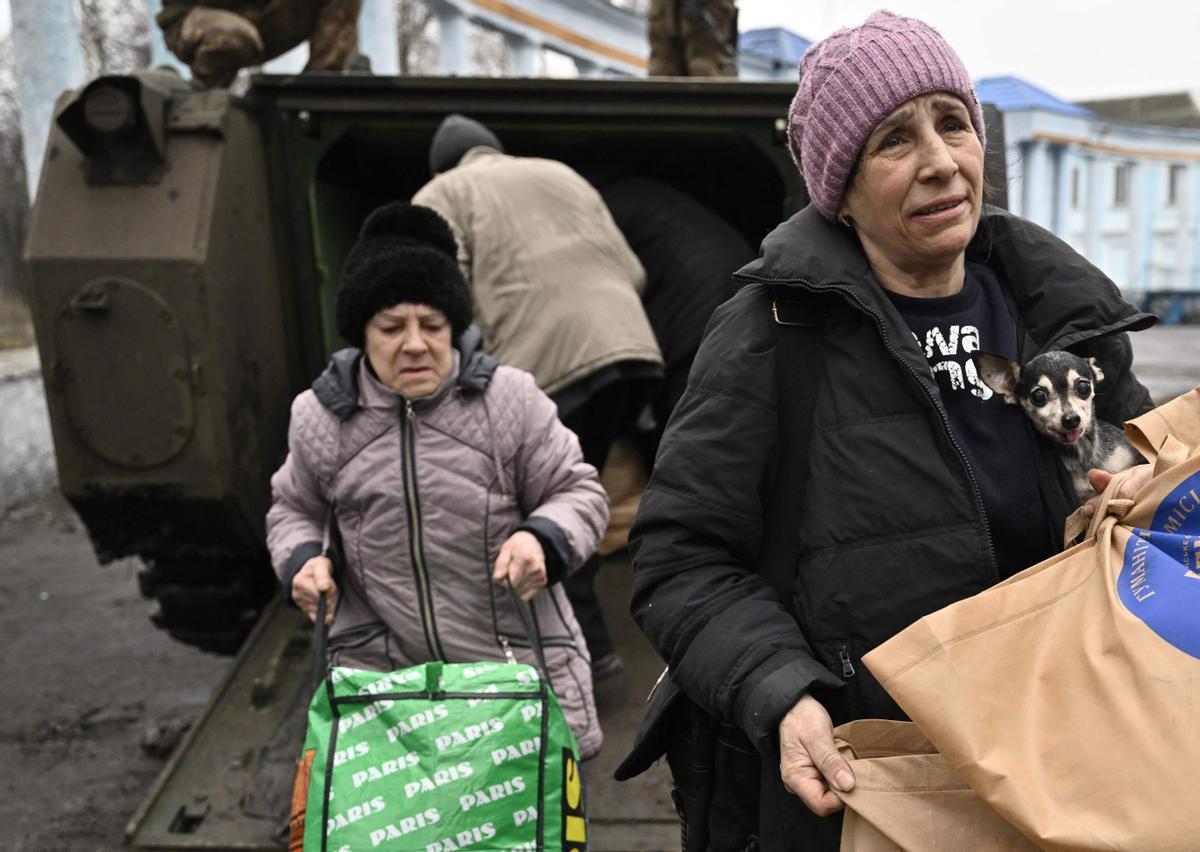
93 692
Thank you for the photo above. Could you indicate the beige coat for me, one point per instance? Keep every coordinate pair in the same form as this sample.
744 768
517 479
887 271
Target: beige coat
556 286
416 583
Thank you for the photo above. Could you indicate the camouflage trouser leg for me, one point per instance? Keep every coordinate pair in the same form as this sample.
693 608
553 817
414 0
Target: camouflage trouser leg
215 44
708 43
666 40
329 26
335 36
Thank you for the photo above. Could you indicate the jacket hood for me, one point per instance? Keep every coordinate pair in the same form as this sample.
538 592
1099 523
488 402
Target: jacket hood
337 386
1060 297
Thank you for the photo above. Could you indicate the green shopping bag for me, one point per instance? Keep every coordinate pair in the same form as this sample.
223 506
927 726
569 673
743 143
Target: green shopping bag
440 757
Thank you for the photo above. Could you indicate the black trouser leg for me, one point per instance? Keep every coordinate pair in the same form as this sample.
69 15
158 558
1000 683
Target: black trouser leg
581 592
597 423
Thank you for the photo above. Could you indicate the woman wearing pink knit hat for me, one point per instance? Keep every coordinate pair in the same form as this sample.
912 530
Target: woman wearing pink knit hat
837 468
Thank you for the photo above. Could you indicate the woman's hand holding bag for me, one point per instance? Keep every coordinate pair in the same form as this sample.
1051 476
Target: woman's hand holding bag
809 762
314 579
523 564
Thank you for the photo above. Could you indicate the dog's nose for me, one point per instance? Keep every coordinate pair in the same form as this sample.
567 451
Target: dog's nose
1070 421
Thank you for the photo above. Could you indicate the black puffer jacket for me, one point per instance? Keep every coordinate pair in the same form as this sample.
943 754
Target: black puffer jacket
890 525
689 254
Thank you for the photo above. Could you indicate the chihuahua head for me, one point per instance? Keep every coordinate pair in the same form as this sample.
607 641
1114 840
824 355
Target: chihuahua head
1055 389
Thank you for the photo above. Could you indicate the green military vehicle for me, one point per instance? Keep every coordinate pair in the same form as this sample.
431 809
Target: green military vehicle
184 251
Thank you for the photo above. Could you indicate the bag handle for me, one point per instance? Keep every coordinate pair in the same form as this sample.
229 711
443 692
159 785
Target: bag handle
1175 419
529 621
334 552
1168 453
1110 505
1171 451
320 666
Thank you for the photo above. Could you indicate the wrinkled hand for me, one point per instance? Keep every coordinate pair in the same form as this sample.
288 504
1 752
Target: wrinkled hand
808 761
522 563
315 578
1099 479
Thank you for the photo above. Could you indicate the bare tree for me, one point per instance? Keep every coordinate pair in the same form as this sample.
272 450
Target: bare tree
416 37
489 53
14 207
115 36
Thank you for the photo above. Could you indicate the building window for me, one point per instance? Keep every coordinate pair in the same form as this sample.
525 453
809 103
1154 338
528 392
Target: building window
1162 263
1121 185
1175 176
1075 188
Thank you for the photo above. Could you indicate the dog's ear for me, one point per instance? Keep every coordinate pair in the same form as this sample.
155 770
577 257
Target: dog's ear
1097 373
999 374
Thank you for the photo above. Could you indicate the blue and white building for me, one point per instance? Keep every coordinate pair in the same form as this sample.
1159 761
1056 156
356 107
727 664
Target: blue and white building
1125 195
771 53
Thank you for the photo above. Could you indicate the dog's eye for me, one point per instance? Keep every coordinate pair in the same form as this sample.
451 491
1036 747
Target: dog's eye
1083 387
1039 397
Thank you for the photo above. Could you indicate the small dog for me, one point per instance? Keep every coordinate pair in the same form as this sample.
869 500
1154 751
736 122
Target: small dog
1057 391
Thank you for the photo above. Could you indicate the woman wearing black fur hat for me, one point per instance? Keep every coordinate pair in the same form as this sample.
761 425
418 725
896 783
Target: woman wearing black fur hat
444 475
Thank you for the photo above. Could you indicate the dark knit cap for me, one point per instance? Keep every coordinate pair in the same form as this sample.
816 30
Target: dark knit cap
455 136
404 253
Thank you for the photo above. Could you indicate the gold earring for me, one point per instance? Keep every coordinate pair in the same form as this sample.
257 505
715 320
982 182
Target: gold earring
841 217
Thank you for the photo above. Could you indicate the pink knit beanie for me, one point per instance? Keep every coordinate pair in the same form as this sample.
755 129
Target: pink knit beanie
853 80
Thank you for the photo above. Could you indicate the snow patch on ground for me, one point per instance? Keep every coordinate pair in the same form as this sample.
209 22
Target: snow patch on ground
27 467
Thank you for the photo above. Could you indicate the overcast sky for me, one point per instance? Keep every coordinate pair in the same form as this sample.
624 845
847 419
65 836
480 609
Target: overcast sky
1076 49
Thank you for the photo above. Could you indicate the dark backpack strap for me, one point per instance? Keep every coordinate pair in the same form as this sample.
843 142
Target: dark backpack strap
800 320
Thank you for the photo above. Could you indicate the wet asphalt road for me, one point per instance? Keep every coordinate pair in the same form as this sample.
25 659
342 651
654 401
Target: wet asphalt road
1167 359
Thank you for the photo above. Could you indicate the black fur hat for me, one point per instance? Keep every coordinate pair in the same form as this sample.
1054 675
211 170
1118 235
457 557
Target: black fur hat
404 253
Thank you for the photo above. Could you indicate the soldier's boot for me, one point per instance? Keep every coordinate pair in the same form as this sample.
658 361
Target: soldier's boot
216 44
334 40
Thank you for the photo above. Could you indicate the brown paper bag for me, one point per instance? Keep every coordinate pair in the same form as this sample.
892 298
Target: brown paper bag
1068 696
906 797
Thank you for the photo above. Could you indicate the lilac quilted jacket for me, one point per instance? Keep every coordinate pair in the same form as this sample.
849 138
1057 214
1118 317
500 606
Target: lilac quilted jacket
424 494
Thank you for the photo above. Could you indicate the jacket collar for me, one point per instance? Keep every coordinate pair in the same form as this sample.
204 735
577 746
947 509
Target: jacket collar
478 152
341 390
1060 297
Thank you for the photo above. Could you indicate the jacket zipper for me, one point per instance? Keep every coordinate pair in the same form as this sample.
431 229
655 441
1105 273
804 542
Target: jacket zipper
412 503
847 666
937 405
508 654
